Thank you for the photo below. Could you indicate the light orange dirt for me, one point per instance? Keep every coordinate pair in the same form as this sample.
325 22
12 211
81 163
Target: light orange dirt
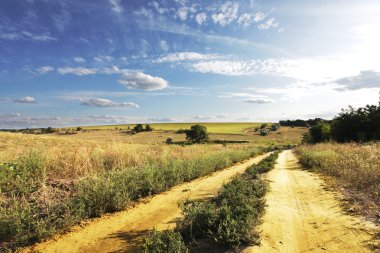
124 231
302 216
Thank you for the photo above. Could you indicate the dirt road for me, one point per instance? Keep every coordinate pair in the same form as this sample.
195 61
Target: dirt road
124 231
302 216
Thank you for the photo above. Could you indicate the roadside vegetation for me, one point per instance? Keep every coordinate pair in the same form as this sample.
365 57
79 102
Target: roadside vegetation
48 184
353 167
346 151
228 220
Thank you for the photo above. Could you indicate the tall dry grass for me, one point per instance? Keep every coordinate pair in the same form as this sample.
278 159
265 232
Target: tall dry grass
48 184
354 166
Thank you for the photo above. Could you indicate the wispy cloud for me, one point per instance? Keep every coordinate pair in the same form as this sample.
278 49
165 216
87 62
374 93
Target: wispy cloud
186 56
102 102
272 22
79 71
45 69
228 12
200 18
259 100
79 59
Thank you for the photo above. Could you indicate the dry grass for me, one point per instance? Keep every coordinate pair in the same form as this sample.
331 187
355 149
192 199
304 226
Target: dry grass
285 135
355 167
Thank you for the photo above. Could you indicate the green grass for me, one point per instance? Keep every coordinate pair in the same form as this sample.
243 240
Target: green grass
226 128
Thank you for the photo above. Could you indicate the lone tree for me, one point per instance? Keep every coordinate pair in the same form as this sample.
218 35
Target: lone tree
148 128
197 134
138 128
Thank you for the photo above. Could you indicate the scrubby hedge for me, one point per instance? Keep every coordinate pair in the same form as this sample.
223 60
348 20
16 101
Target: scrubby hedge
229 219
24 221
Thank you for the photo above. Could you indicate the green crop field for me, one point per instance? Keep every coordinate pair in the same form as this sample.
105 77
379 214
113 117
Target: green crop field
221 128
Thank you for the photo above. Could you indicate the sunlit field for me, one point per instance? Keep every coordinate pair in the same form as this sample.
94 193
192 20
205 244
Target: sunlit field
225 128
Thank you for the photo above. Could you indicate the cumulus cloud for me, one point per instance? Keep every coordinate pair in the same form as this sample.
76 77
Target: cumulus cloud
139 80
200 18
182 13
102 102
259 100
79 59
26 100
245 19
186 56
45 69
272 22
365 79
79 71
228 12
259 16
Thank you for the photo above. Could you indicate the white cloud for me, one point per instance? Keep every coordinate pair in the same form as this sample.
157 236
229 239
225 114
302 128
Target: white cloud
228 13
186 56
200 18
102 102
241 94
139 80
26 100
223 67
259 100
259 16
79 59
45 69
272 22
164 45
27 36
245 19
182 13
103 58
79 71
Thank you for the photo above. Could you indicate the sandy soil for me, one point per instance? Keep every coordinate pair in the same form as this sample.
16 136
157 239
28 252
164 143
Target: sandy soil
124 231
303 216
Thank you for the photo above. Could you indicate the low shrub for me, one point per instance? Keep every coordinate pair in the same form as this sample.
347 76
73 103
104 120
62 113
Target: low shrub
229 219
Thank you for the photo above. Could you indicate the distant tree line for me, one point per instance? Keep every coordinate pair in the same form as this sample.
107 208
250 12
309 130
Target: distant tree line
357 125
302 123
140 128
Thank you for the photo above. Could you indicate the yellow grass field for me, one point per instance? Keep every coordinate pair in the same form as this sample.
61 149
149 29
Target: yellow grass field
225 128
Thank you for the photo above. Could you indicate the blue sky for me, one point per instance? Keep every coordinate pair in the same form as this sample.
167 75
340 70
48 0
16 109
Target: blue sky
65 63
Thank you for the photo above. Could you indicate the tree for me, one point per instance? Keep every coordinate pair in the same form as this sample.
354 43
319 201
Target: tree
148 128
274 127
263 126
197 134
319 133
138 128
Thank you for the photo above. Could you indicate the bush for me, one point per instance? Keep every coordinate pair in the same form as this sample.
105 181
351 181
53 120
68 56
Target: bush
197 134
164 242
263 126
169 140
263 132
318 133
148 128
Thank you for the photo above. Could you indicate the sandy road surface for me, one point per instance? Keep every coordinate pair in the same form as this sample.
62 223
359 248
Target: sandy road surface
302 216
123 232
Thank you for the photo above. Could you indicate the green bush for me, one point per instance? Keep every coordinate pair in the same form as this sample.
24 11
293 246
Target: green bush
164 242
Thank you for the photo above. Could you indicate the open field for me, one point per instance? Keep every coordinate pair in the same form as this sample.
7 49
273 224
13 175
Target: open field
284 135
49 183
226 128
